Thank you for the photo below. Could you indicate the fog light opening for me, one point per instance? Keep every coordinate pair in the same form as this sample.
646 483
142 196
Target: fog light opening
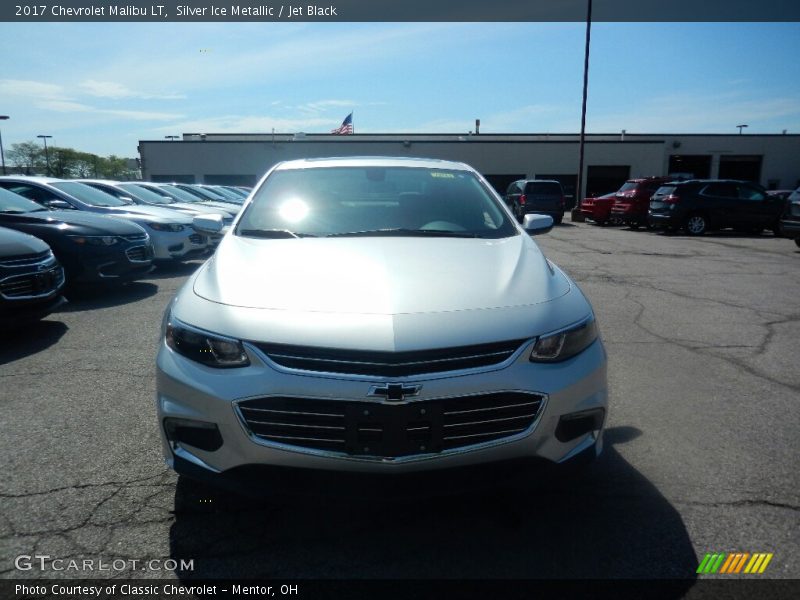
199 434
574 425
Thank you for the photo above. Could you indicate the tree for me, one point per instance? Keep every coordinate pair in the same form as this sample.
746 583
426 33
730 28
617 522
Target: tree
28 156
68 163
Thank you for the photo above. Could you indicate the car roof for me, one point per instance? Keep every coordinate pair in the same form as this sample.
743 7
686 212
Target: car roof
373 161
31 178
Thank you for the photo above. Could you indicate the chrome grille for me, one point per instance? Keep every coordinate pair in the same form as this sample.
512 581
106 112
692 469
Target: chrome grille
135 237
382 430
32 285
137 254
389 364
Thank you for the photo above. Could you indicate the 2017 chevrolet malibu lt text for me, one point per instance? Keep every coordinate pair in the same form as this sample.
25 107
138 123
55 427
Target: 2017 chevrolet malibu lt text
377 315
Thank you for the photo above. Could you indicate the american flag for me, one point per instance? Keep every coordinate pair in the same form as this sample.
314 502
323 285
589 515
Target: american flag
346 128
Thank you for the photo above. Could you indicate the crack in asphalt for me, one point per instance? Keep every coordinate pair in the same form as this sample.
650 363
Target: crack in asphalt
80 486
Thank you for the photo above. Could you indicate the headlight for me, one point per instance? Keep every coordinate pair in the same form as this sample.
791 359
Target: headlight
165 226
94 240
564 344
205 348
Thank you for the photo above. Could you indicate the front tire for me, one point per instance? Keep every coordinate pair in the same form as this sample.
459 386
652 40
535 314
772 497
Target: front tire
696 224
797 242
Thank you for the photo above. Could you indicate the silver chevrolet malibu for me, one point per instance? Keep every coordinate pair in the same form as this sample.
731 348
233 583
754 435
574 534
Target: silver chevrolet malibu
377 315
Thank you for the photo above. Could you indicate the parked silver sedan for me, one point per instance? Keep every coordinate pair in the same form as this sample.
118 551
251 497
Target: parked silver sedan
171 232
377 315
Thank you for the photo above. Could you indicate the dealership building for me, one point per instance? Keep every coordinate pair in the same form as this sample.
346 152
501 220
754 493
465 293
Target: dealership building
772 160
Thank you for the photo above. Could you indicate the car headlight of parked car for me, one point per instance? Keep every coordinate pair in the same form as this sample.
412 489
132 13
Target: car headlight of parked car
566 343
165 226
205 348
94 240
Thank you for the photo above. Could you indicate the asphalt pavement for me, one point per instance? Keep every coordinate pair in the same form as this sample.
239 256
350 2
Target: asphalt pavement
701 451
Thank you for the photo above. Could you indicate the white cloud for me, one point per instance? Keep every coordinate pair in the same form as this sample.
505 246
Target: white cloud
115 90
697 113
252 124
28 89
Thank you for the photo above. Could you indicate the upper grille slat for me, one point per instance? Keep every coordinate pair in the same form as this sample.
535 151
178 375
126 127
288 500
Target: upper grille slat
389 364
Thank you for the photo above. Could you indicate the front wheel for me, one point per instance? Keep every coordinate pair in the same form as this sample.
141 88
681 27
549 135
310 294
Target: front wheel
797 242
558 220
696 224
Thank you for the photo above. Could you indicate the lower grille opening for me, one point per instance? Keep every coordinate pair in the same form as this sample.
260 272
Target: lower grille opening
351 428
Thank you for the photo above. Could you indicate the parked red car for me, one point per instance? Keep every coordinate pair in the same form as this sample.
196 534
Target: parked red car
598 209
633 199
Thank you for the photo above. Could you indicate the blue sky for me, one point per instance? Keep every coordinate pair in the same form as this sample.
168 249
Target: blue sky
101 87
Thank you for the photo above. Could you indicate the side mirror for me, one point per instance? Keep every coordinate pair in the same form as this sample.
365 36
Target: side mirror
127 199
535 224
209 224
58 204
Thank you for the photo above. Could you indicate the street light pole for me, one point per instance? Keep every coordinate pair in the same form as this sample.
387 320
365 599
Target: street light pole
46 154
740 128
3 156
576 213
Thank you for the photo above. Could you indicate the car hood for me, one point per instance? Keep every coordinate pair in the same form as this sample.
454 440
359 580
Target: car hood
384 294
14 243
82 222
199 209
148 213
375 275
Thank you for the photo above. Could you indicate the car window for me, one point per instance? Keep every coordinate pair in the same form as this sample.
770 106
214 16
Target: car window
664 190
341 200
31 192
747 192
14 203
87 194
721 190
143 193
543 188
627 186
178 193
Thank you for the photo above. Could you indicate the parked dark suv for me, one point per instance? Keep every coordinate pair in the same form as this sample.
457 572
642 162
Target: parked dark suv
541 196
701 205
632 200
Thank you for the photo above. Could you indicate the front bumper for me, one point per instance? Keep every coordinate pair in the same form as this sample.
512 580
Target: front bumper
790 228
188 390
169 245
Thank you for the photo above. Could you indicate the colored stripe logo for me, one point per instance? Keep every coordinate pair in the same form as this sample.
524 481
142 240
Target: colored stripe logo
733 563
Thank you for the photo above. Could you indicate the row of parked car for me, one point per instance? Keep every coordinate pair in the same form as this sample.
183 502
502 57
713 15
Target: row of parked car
56 233
698 206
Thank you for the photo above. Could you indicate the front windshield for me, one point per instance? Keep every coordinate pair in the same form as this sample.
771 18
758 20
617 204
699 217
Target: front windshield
370 200
87 194
11 203
144 194
179 194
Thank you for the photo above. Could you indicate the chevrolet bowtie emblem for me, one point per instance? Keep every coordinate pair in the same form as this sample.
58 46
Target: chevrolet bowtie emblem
395 392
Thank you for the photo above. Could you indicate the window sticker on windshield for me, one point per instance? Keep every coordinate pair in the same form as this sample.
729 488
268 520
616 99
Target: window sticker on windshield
442 175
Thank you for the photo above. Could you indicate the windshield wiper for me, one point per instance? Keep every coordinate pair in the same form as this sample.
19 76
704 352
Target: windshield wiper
272 234
403 232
